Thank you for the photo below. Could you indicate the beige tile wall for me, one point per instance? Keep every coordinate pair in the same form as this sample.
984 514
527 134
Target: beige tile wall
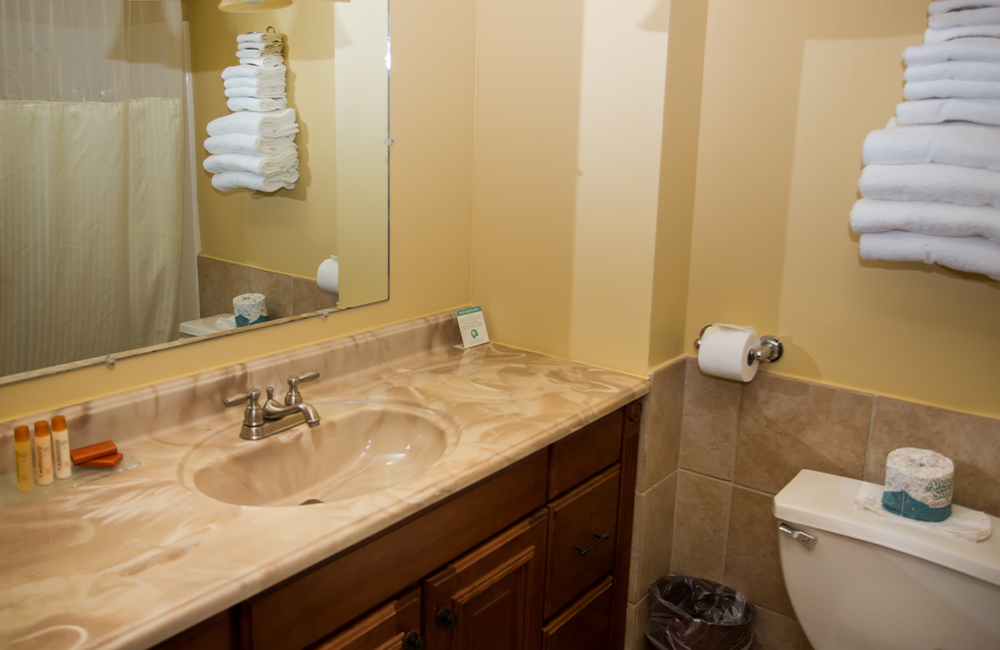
739 444
287 295
655 491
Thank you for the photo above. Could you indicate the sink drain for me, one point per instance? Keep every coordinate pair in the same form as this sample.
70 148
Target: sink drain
310 502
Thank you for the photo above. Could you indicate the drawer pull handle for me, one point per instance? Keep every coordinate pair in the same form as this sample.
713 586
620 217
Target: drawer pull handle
447 619
600 539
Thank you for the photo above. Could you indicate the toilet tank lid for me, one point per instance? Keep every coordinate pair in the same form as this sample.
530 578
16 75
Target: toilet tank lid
826 502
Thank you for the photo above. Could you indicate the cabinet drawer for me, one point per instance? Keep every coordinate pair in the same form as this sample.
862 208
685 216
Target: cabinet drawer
384 629
584 453
584 625
581 539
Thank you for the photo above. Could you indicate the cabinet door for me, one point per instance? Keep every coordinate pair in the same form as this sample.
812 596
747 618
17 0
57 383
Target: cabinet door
394 626
491 598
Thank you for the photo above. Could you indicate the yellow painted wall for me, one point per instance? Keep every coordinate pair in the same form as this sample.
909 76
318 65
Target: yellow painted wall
791 88
569 114
678 166
432 111
362 157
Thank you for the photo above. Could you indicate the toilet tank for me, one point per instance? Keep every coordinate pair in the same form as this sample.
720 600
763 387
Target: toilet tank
874 583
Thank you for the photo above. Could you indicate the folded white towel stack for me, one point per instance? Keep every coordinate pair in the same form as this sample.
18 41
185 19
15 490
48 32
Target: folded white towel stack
931 186
254 146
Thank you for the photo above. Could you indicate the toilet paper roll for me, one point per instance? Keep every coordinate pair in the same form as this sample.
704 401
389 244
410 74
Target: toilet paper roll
725 350
250 309
918 484
328 275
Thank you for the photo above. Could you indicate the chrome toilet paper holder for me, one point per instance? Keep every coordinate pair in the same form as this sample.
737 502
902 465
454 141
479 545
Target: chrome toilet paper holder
770 349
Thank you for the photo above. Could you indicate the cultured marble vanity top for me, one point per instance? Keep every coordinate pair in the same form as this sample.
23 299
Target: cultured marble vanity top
130 560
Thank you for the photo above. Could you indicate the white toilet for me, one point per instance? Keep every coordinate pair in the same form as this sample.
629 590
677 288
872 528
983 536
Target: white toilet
871 582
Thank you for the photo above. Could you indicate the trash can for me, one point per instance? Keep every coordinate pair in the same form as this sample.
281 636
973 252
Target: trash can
694 614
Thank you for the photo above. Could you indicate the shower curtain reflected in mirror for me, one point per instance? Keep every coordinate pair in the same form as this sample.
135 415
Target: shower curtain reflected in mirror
91 183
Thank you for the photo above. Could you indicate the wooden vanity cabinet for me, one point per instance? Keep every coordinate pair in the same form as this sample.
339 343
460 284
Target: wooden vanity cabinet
534 557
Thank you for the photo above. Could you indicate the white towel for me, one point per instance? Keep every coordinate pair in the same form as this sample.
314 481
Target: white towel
244 55
266 61
958 70
931 182
936 111
268 75
259 93
226 322
944 6
941 35
229 181
266 48
250 82
970 254
256 104
968 145
260 37
277 124
249 144
985 50
261 165
961 18
951 89
924 218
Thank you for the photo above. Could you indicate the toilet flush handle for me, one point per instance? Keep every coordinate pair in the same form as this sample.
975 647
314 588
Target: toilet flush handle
800 536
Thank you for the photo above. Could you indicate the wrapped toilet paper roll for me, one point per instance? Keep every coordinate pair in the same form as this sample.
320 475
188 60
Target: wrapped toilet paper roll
725 351
328 275
918 484
250 309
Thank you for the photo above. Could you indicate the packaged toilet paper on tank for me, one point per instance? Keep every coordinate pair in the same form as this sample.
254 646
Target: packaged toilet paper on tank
918 484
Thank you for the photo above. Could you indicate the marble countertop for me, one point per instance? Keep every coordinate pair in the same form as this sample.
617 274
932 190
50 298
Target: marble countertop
130 560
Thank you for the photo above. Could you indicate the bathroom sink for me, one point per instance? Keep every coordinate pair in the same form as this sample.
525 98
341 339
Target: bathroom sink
358 448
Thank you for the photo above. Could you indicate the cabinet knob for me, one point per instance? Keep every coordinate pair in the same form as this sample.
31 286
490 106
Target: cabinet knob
414 641
447 619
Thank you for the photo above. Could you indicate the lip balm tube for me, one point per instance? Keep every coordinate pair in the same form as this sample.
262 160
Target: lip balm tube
60 448
43 453
22 456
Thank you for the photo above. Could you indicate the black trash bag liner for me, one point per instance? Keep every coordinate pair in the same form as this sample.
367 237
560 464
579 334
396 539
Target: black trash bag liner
695 614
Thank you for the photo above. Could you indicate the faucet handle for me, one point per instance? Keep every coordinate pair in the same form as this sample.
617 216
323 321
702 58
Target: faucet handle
312 375
235 400
253 417
294 397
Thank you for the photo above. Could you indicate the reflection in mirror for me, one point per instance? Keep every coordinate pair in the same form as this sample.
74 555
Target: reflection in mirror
111 234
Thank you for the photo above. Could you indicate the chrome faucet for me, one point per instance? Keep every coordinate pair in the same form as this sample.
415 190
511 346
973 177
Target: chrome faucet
261 422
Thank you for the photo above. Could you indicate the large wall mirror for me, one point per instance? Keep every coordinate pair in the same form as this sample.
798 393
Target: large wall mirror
113 239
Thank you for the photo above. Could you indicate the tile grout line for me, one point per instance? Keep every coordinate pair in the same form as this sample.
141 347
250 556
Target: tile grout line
732 484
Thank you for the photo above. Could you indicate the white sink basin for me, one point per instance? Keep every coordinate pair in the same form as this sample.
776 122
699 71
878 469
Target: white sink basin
358 448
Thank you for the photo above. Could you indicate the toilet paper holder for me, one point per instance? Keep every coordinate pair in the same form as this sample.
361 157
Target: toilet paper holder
770 349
